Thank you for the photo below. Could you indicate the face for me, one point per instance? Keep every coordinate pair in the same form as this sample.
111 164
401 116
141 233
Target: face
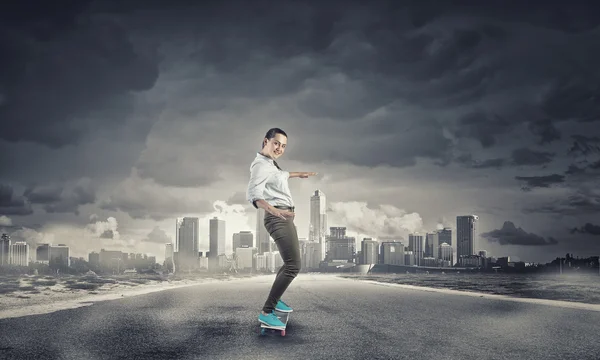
275 147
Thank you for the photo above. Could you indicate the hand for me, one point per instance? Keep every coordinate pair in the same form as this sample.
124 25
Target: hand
304 175
280 213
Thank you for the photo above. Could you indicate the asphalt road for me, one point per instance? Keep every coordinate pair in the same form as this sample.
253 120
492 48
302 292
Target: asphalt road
333 319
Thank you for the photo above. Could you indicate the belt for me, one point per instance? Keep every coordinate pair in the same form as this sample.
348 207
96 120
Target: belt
291 208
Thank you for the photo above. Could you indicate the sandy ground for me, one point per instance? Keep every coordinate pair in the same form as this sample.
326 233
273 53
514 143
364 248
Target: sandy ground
42 299
557 303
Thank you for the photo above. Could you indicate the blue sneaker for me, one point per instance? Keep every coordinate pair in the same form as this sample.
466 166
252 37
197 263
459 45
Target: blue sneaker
271 320
283 307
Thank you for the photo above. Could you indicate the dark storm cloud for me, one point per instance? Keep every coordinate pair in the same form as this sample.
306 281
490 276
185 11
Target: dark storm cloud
9 229
545 130
574 170
576 97
60 198
585 151
158 235
588 228
490 163
519 157
392 145
62 69
380 83
540 181
345 62
585 200
584 145
526 156
573 18
144 199
11 204
588 170
511 235
483 128
351 63
367 43
570 72
468 161
44 194
445 70
329 101
444 73
582 201
171 172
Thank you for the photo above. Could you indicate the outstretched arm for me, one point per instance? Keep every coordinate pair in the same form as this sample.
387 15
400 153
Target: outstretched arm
302 174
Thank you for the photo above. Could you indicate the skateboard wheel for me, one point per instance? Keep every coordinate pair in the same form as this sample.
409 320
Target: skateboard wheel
262 331
282 332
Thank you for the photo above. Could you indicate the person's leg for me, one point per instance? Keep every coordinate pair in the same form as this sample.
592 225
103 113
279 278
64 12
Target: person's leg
286 239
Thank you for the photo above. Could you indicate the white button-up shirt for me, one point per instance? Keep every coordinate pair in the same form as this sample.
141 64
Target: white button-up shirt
268 182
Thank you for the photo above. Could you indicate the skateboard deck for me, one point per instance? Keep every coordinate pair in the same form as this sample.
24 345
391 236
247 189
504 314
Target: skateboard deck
284 317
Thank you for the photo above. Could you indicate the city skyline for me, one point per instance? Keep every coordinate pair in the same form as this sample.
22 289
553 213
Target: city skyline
410 116
415 242
203 241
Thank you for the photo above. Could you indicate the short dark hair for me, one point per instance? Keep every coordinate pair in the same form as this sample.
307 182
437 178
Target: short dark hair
271 134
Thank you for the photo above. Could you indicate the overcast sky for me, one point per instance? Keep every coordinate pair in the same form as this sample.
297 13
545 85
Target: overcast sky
116 119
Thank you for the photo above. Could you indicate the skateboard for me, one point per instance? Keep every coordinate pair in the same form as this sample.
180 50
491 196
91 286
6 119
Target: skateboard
284 317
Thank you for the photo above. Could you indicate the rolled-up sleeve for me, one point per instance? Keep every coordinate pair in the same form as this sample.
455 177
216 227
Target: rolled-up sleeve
259 175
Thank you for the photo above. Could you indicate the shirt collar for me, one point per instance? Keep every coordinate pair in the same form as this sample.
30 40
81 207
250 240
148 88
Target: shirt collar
259 155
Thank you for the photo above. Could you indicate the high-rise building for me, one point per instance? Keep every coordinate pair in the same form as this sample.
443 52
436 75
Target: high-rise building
245 257
42 253
446 253
430 243
111 258
416 244
5 250
302 244
263 239
317 229
169 251
435 246
369 249
392 253
311 255
337 232
243 239
273 261
340 246
187 242
19 253
59 254
261 262
466 232
217 237
483 257
409 258
94 259
188 235
444 236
